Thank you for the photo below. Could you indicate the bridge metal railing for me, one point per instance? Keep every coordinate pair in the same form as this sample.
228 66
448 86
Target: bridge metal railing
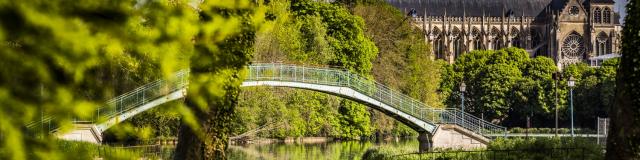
377 91
122 103
291 73
142 95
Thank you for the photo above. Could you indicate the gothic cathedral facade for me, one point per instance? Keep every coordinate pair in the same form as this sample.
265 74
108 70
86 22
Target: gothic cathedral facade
568 31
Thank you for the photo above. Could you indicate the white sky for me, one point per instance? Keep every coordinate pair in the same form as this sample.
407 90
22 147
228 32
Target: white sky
619 7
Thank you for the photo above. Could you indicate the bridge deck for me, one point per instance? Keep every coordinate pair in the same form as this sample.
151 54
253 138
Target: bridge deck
332 81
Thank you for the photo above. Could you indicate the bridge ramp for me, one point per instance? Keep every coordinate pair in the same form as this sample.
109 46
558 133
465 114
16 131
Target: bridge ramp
456 137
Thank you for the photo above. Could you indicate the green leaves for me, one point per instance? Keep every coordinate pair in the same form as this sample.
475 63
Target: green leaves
64 59
345 33
354 120
500 83
594 90
316 33
296 112
508 86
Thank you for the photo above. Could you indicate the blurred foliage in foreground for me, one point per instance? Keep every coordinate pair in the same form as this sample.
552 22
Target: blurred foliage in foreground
64 59
518 148
624 135
85 150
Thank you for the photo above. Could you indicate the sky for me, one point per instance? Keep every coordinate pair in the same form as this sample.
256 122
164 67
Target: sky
619 7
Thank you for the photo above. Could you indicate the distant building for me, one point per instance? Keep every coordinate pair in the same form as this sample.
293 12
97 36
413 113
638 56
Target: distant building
597 61
568 31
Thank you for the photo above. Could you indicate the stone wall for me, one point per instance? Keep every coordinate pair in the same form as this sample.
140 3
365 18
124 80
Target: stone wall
456 137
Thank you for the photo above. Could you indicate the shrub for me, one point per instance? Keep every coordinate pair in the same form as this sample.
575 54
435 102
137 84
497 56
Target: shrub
545 130
516 130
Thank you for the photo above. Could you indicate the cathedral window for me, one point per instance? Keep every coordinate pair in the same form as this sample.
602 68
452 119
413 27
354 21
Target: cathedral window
603 45
597 15
440 47
573 46
574 10
436 31
477 43
515 37
515 42
606 15
458 47
497 41
535 38
475 32
495 32
456 32
457 42
438 43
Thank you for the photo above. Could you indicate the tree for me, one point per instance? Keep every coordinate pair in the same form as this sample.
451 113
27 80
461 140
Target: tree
593 92
504 85
345 32
624 134
64 59
404 62
216 75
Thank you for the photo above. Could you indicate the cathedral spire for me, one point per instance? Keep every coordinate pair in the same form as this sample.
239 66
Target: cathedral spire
503 8
464 16
464 10
445 12
483 15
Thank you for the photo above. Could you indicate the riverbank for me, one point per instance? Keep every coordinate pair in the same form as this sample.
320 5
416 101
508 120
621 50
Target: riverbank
517 148
258 140
288 140
306 140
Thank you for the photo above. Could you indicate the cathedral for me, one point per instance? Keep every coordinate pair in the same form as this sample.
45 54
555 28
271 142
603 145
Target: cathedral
568 31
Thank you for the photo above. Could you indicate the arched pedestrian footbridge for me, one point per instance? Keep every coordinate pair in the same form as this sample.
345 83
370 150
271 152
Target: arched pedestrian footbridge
417 115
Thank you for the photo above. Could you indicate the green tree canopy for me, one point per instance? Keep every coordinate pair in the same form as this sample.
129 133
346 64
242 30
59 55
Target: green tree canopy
500 82
63 59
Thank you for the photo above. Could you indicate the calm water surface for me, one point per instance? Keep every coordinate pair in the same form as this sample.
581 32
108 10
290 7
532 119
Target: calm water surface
330 150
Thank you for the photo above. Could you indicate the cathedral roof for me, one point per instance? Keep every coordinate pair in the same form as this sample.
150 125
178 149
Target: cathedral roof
476 8
602 1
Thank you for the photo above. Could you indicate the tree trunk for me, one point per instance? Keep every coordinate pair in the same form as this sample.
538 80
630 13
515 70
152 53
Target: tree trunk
211 139
624 133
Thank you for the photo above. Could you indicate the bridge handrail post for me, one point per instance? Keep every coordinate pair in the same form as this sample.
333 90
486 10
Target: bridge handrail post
433 116
390 97
505 132
455 117
412 108
280 72
348 77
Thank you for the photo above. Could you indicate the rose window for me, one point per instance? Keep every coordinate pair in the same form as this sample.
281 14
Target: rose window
574 10
573 46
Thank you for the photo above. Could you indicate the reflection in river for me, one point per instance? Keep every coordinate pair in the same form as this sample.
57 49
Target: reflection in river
330 150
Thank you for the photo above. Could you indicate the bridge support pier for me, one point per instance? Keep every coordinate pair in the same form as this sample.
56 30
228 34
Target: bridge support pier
424 138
